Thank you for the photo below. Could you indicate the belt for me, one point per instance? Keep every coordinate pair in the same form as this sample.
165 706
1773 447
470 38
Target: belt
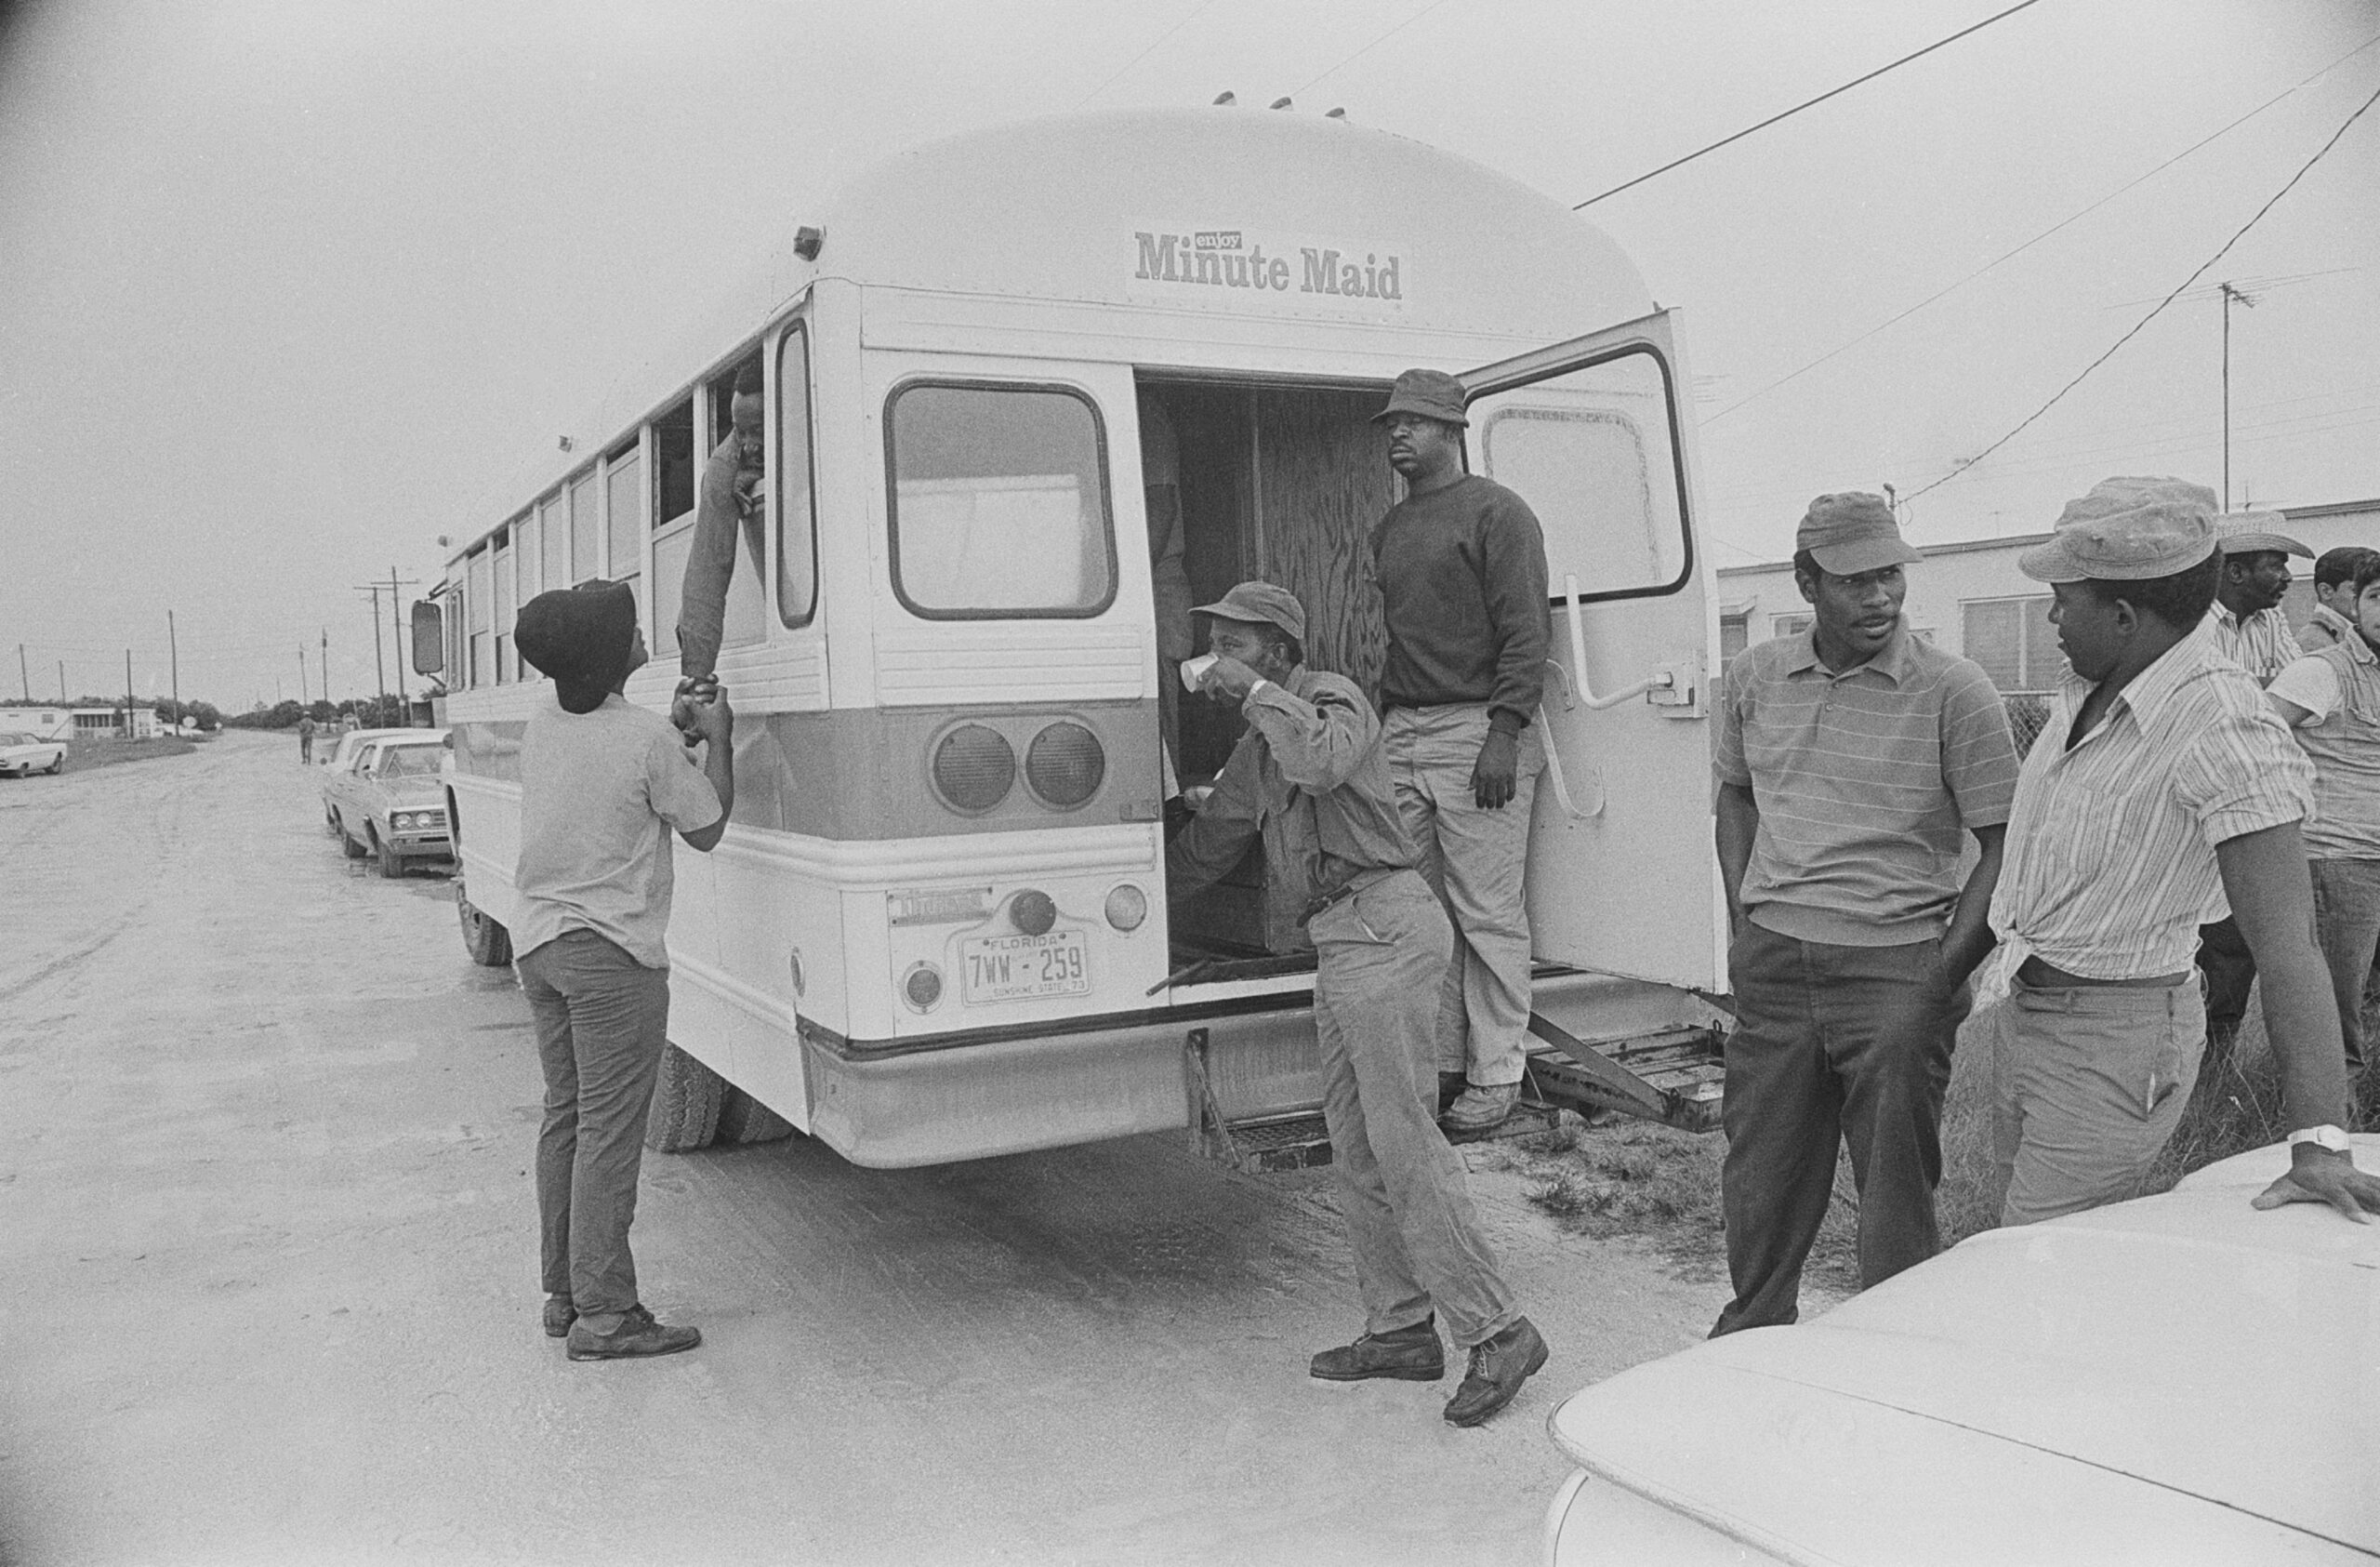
1347 889
2048 977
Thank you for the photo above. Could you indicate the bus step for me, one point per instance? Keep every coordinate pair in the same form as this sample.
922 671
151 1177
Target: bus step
1272 1145
1674 1076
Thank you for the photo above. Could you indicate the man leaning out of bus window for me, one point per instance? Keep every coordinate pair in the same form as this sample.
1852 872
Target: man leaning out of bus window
730 497
1310 778
602 785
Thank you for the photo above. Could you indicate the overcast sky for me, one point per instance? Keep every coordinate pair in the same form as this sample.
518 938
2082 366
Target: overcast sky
286 289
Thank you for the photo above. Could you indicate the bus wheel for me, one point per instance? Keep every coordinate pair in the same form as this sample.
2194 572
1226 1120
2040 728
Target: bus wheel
686 1105
347 844
489 944
743 1118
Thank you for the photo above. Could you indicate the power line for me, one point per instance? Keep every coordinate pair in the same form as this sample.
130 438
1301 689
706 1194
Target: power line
1679 163
2069 221
1144 54
2200 272
1368 49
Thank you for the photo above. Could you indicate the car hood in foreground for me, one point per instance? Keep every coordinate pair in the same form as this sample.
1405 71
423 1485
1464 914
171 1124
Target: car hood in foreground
2175 1378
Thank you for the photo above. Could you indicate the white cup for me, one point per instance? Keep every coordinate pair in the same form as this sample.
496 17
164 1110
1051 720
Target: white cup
1194 670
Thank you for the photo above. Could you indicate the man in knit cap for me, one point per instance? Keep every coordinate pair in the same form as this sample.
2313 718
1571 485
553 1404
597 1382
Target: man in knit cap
602 786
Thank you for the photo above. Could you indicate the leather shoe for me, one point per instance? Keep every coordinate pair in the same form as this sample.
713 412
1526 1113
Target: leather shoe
1481 1108
560 1314
1408 1355
1499 1366
637 1335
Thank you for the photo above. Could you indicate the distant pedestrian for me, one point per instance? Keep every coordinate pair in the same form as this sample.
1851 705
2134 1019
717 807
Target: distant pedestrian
1853 760
2253 632
305 737
2331 699
2334 618
602 785
1309 779
2162 790
1461 563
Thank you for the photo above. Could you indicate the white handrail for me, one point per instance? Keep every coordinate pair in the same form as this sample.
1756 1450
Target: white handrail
1585 693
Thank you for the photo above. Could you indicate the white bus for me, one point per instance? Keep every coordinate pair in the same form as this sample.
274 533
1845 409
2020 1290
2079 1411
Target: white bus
937 929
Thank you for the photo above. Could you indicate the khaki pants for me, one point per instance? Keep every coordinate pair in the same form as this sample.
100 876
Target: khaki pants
1473 860
1406 1196
2089 1084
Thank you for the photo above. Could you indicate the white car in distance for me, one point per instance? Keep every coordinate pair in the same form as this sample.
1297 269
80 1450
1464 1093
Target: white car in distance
22 755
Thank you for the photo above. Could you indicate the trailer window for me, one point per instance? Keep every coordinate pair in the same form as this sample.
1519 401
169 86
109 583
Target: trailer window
1000 502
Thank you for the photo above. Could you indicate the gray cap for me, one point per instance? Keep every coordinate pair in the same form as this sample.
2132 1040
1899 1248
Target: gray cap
1432 393
1851 533
2250 532
1260 604
2127 530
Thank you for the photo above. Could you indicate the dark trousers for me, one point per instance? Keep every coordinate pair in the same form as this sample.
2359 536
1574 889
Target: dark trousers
602 1019
1833 1046
2223 957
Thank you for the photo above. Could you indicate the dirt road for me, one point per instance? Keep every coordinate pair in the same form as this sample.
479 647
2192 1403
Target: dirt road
268 1235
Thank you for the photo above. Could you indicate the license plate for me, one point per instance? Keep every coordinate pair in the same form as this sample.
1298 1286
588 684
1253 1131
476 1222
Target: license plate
1008 968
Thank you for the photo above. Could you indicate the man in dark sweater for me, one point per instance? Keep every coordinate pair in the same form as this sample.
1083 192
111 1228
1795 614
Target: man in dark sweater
1461 563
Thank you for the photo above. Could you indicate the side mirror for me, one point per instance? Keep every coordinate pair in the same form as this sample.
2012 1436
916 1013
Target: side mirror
428 638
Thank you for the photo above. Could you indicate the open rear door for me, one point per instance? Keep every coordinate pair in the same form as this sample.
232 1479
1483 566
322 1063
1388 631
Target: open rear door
1622 873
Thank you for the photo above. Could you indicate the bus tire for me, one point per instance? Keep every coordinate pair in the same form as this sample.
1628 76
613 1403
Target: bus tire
743 1118
347 844
489 944
392 865
686 1105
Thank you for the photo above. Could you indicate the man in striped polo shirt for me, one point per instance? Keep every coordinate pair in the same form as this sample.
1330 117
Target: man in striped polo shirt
2253 632
2161 790
1851 760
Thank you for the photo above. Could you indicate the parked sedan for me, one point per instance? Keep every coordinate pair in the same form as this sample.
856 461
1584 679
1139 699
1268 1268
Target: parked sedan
387 802
2174 1379
22 755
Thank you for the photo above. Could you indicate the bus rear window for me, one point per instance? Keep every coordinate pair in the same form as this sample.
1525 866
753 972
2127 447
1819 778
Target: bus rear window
1000 502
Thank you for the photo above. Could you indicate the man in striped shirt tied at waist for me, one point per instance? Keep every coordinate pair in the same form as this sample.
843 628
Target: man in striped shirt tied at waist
2252 631
2161 789
1851 759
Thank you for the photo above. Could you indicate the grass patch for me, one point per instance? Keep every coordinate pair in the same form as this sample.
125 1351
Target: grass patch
1623 1178
84 755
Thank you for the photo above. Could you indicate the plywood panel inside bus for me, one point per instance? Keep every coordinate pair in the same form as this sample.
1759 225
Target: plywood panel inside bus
1283 482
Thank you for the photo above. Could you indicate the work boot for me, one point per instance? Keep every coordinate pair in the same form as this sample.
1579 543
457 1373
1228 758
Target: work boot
1481 1109
1451 1087
637 1335
1408 1355
560 1314
1499 1366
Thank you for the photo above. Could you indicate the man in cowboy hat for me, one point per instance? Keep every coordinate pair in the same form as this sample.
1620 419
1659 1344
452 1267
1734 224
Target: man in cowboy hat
1309 778
2252 631
602 786
1461 563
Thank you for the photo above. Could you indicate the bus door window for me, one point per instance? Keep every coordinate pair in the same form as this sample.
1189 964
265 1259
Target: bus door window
797 483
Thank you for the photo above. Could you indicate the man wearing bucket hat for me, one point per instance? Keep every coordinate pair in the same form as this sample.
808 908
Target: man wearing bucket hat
1852 761
1309 778
1461 563
2253 633
602 785
2162 788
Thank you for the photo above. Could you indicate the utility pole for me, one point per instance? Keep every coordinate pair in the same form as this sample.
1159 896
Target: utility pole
379 667
127 693
324 663
303 695
21 675
175 648
396 631
61 682
2229 295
